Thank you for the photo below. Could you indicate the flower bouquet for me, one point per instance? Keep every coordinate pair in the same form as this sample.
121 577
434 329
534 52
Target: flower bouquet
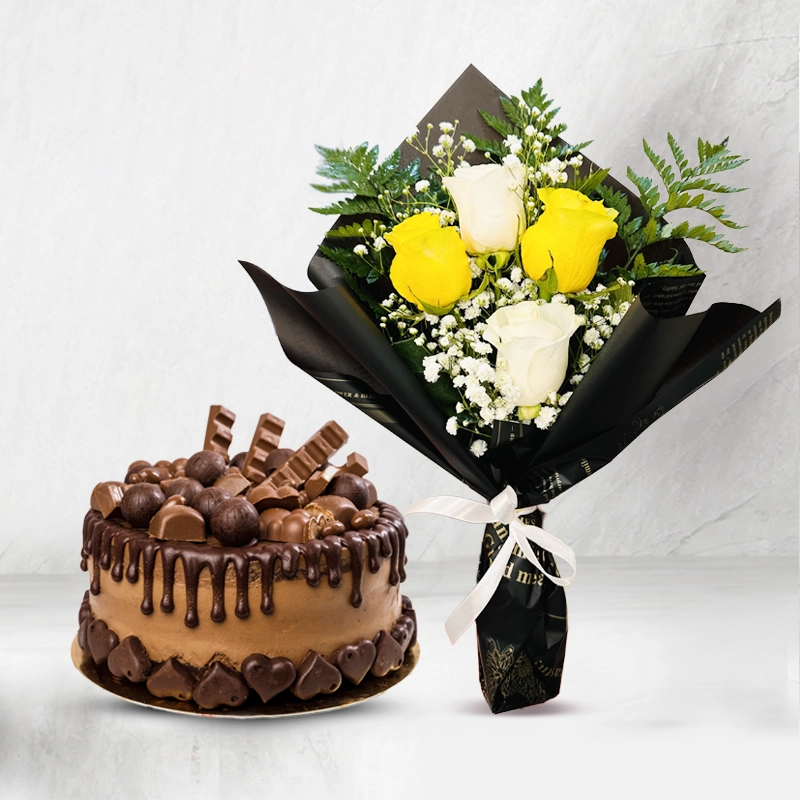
514 313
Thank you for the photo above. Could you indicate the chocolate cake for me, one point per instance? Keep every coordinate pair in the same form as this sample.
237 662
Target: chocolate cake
222 581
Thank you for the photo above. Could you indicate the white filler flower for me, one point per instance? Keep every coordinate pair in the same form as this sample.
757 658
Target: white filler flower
534 341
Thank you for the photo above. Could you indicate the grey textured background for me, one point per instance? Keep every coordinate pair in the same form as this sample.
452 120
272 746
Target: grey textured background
145 147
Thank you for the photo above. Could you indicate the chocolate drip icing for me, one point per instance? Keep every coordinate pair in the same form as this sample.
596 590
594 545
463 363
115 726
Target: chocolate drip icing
105 541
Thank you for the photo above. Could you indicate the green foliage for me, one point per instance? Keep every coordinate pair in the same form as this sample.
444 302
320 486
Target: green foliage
354 231
661 269
590 183
681 190
547 284
357 171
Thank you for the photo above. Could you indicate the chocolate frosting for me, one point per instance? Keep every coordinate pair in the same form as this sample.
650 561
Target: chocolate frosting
105 541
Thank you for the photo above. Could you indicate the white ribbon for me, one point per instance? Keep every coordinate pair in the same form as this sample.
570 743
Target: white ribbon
501 508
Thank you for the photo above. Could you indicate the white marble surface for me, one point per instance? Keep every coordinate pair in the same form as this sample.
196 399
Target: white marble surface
681 680
145 147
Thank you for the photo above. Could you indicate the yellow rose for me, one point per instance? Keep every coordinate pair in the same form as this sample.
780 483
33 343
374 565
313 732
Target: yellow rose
431 266
573 229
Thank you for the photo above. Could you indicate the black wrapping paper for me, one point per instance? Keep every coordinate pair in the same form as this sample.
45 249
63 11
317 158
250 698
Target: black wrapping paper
656 357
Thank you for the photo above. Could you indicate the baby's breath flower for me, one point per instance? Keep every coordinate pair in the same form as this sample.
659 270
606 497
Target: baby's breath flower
437 151
422 186
530 130
478 447
360 250
446 140
446 127
468 146
513 143
379 243
547 416
452 426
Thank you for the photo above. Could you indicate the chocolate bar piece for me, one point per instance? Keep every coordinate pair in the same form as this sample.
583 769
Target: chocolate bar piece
266 439
218 431
178 523
107 497
312 455
233 482
356 464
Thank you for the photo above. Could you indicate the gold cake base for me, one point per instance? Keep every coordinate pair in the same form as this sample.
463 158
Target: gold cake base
284 705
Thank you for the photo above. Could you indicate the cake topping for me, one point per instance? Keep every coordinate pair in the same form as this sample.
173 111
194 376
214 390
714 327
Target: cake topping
403 631
267 496
355 660
172 679
356 464
294 527
353 487
178 467
268 676
129 660
147 475
234 522
233 482
178 522
238 460
189 488
220 686
206 466
208 499
314 676
140 504
266 439
136 466
218 431
340 507
107 497
313 454
363 519
277 458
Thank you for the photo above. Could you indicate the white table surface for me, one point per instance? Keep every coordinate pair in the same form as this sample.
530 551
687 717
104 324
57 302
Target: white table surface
681 680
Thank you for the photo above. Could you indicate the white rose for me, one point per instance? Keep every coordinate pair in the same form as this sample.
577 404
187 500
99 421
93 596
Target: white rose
488 197
534 341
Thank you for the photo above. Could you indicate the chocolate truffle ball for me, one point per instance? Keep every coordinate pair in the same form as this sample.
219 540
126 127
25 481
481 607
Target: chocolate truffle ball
238 460
140 503
350 486
234 522
277 458
205 466
208 499
188 487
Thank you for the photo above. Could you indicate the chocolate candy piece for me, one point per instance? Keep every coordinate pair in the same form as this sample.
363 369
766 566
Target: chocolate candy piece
356 464
237 460
372 493
234 522
294 527
315 452
188 487
333 529
341 508
318 518
165 467
270 524
353 487
233 482
315 675
206 466
140 504
101 640
389 655
208 499
172 679
151 475
403 631
137 465
265 441
129 660
107 497
408 611
85 611
178 522
82 634
266 496
220 686
277 458
268 676
178 465
218 431
355 660
363 519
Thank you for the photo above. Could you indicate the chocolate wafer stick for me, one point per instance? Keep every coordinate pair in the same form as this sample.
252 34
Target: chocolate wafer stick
312 455
266 439
218 430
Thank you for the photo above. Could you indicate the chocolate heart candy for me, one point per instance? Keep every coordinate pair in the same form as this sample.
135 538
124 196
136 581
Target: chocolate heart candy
408 610
85 609
355 660
268 676
101 640
403 631
314 676
389 655
172 679
220 686
82 632
129 660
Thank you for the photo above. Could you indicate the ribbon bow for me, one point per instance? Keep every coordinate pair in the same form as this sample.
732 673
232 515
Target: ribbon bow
501 508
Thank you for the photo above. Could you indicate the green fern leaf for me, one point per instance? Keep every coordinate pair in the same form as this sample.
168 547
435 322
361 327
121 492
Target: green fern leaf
505 129
355 205
353 231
